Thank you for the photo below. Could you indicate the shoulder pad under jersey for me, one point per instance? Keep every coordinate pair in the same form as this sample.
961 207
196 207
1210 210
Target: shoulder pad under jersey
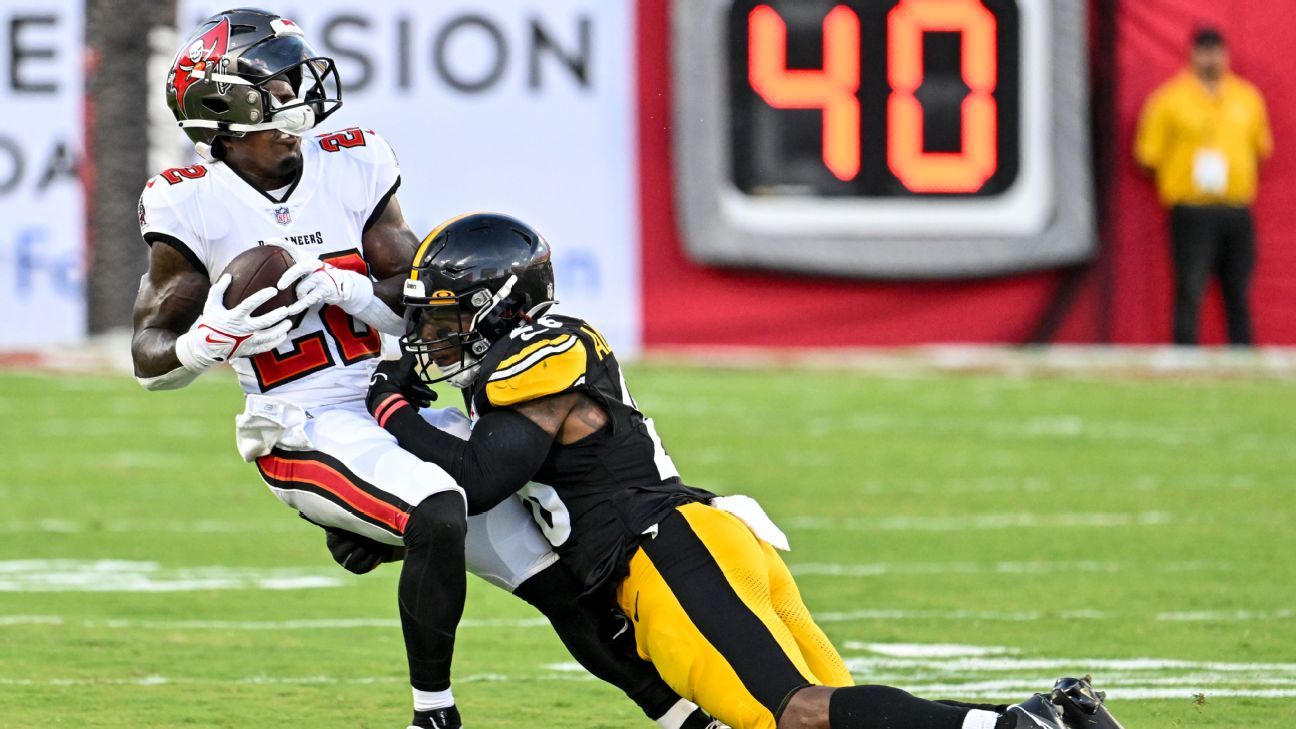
548 362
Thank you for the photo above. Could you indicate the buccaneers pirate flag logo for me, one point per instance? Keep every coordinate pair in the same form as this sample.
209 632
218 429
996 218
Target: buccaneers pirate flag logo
209 48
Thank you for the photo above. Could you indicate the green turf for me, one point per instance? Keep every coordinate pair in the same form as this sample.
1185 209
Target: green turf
1090 523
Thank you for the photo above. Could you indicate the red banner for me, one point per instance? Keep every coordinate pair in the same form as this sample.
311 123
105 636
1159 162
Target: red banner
1125 297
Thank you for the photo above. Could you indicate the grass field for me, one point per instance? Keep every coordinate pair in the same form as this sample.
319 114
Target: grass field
957 535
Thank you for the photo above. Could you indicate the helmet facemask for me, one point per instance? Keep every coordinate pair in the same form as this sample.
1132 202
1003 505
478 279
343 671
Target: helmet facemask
450 333
316 87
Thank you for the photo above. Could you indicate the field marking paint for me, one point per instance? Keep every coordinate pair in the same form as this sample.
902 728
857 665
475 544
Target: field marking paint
30 620
824 617
972 676
262 680
856 615
1225 616
928 650
325 624
970 665
70 575
259 625
877 569
1020 690
994 672
956 670
203 526
1015 520
1006 691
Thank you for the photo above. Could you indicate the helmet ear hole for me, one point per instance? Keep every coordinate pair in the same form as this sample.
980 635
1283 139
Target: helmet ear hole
215 105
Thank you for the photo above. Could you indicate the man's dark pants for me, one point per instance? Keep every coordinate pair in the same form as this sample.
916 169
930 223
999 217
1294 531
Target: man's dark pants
1207 239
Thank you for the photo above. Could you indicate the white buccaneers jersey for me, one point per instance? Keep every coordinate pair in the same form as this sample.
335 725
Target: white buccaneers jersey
210 214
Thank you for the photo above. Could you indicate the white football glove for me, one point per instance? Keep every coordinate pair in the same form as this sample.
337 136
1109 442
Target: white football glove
323 283
222 334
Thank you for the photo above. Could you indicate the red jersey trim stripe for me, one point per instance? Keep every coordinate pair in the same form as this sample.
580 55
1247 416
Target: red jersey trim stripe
324 477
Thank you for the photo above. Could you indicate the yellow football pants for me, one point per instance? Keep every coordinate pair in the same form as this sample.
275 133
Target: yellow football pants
716 611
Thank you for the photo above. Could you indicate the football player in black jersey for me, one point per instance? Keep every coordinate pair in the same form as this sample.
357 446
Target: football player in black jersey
712 605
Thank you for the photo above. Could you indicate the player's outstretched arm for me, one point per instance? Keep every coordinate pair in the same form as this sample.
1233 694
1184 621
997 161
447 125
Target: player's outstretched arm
505 450
170 298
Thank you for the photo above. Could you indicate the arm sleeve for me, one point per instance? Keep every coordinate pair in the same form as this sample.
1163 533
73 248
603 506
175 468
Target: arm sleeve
504 451
1264 135
1150 140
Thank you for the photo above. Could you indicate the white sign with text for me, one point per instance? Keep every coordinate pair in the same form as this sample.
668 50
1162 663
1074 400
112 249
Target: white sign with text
42 233
516 106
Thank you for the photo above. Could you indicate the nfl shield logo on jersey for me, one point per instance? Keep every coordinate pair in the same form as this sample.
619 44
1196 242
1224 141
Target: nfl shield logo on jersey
282 216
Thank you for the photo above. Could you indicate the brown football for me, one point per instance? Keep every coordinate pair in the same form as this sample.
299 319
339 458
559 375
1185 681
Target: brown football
256 269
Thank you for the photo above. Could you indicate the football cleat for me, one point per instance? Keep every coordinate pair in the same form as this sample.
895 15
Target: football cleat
1072 704
1082 706
700 720
446 718
1037 712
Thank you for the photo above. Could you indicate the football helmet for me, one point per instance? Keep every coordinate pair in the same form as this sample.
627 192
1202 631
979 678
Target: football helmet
216 86
474 279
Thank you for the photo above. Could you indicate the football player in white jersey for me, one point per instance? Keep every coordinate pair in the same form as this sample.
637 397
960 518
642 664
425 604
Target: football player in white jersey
248 89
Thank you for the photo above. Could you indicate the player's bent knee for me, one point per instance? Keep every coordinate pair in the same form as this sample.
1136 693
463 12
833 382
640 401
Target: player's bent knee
438 522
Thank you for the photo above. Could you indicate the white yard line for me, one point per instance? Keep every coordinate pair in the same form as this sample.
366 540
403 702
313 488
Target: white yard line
1226 616
971 665
1021 689
927 650
990 672
30 620
1035 567
822 617
1012 520
855 615
258 625
1000 690
936 670
70 575
978 521
202 526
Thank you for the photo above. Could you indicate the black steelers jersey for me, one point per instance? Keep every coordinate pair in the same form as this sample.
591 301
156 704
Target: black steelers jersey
594 498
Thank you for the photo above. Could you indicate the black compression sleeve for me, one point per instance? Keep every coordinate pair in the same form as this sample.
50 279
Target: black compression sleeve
504 452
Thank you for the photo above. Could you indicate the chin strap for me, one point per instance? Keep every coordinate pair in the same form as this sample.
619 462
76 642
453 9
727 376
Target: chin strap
295 119
500 295
541 308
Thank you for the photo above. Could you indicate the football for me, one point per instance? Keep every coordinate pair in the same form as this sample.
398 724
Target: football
256 269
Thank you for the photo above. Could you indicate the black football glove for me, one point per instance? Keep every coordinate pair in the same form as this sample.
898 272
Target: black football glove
356 553
397 376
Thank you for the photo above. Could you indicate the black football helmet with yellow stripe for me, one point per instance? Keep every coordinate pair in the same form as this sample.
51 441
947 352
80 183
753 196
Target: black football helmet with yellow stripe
474 279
